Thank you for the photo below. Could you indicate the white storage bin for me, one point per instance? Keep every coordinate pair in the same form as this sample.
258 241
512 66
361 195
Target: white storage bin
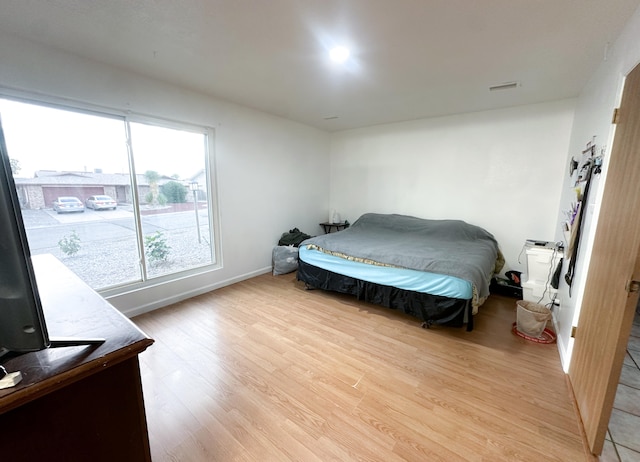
534 292
541 264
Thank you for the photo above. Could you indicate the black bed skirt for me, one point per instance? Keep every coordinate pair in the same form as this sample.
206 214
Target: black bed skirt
431 309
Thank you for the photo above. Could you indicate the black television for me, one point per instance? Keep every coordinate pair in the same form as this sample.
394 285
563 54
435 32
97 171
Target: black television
22 323
23 326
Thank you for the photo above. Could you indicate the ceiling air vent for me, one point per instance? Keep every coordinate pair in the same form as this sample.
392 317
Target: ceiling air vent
504 86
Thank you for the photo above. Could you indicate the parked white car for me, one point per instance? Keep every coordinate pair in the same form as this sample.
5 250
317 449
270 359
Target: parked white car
100 203
68 204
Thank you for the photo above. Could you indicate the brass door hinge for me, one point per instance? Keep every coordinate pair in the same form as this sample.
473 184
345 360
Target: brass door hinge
573 331
632 286
616 112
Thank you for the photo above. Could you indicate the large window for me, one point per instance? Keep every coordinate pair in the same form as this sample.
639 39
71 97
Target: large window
118 200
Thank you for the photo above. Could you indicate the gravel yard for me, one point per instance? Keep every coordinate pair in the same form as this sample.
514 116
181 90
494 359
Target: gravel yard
113 259
117 263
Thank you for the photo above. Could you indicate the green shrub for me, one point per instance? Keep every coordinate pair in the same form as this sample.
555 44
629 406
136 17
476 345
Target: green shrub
156 247
149 198
70 245
175 192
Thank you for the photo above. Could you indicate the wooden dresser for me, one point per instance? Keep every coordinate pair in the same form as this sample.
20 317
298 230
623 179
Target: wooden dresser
80 403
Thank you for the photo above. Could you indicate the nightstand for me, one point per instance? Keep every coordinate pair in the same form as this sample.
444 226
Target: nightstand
338 226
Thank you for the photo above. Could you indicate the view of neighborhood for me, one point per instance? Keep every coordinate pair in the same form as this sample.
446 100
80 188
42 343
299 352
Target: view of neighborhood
42 190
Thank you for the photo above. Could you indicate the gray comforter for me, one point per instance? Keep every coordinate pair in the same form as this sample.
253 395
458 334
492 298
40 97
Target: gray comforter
450 247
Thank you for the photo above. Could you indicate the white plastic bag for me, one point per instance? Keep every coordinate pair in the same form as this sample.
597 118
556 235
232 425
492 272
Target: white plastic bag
285 259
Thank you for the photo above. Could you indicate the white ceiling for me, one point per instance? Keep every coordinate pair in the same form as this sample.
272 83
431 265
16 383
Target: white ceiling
410 58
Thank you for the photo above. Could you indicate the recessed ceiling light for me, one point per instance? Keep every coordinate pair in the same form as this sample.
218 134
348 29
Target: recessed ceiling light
339 54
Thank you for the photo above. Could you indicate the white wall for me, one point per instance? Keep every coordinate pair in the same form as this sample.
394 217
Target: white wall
593 117
272 174
502 170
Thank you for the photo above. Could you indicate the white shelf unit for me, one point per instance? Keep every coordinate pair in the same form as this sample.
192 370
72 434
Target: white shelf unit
542 261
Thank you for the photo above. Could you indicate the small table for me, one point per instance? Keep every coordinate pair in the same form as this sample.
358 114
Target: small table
338 226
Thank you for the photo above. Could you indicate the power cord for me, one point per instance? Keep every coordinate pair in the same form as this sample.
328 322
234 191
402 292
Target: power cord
520 254
551 304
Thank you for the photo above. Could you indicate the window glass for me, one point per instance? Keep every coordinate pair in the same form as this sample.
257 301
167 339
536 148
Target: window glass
174 200
118 202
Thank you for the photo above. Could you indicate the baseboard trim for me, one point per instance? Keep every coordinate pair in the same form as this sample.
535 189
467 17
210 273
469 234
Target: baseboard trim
175 298
564 354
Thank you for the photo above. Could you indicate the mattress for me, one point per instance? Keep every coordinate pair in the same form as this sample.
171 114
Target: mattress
402 278
431 309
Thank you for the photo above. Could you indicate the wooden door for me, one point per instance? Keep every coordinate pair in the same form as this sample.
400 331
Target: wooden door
608 307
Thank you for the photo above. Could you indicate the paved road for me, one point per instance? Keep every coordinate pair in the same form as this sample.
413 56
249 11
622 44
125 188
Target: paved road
45 227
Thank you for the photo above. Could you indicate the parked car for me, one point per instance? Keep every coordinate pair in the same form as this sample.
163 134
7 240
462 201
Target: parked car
68 204
100 202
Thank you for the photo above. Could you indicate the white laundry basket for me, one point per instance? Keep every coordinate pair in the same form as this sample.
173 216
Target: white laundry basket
531 318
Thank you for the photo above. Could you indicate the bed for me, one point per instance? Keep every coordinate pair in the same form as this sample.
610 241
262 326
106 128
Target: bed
436 270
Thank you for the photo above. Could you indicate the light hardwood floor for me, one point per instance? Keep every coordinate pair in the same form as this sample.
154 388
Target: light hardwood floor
265 370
